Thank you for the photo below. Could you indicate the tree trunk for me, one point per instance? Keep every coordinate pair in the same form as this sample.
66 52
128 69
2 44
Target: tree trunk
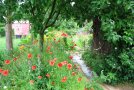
99 44
41 42
96 34
9 43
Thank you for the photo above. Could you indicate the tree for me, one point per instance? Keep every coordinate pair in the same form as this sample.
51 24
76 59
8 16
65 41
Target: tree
113 33
7 12
42 14
102 12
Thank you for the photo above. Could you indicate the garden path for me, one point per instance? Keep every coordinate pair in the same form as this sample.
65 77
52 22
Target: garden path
78 60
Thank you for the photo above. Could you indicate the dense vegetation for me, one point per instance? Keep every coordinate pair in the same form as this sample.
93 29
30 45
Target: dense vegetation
111 52
113 38
27 68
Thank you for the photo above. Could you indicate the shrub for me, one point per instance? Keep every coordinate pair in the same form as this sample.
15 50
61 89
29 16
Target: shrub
112 68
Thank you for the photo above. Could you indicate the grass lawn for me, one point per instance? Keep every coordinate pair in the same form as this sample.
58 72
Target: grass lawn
3 42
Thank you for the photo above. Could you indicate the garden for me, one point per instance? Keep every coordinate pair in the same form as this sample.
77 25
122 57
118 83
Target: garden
66 45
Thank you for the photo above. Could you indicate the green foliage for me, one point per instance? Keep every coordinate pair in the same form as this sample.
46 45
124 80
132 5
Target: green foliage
112 70
110 77
42 14
117 27
92 60
1 57
88 26
3 43
70 26
8 10
25 40
2 31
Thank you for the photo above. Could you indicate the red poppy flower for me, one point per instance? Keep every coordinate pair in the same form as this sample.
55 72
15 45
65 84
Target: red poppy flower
31 81
29 56
64 79
1 70
48 75
7 61
60 65
51 63
73 73
40 77
70 57
79 79
34 67
64 35
15 59
69 66
5 72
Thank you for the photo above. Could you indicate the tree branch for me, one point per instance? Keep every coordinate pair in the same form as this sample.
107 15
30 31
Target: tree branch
54 20
32 9
51 13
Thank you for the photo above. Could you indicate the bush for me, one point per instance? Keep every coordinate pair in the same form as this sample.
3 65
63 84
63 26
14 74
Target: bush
112 68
